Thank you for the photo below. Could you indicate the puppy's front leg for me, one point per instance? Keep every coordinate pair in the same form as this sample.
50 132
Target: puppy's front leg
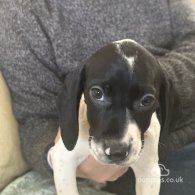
64 169
147 179
64 164
146 168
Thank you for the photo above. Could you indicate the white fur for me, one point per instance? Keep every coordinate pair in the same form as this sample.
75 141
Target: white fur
65 162
125 40
129 59
107 151
146 168
144 164
132 136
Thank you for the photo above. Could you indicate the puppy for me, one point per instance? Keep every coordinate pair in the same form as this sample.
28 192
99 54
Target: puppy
113 107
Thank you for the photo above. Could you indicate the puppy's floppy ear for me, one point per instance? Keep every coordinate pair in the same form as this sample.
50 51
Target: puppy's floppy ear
170 107
68 106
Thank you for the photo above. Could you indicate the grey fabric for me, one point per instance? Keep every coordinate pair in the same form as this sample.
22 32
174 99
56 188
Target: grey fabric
41 41
33 183
181 166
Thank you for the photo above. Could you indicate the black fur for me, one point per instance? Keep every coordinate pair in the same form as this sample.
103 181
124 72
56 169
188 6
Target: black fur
124 86
68 105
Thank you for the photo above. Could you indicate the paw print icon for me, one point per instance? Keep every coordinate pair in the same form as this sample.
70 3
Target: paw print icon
164 171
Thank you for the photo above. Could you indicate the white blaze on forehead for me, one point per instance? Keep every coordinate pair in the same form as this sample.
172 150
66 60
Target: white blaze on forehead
129 59
125 40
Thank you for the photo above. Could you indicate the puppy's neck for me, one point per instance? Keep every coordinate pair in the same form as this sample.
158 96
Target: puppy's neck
83 122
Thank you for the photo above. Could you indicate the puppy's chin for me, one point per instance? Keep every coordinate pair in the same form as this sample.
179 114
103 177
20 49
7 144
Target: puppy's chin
97 151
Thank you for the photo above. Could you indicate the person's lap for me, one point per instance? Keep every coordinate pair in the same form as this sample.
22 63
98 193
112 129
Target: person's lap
33 183
182 172
179 180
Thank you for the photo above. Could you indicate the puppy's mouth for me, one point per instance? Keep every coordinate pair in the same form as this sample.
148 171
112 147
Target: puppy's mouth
105 156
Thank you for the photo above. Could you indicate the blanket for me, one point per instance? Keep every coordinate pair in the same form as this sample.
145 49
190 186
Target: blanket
32 183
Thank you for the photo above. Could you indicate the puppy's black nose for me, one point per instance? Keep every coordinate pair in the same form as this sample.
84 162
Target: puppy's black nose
117 152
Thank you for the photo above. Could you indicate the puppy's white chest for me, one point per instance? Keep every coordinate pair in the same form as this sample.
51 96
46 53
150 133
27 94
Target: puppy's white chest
81 151
73 157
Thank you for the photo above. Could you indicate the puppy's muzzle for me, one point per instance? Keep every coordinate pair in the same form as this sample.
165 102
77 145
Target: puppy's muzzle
116 152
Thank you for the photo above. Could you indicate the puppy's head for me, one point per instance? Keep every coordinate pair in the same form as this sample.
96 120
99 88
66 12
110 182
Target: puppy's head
123 85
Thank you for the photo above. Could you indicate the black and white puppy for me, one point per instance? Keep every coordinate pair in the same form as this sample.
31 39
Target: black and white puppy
112 108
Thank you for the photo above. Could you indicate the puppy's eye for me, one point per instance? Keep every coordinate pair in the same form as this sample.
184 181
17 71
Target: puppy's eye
147 100
97 93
